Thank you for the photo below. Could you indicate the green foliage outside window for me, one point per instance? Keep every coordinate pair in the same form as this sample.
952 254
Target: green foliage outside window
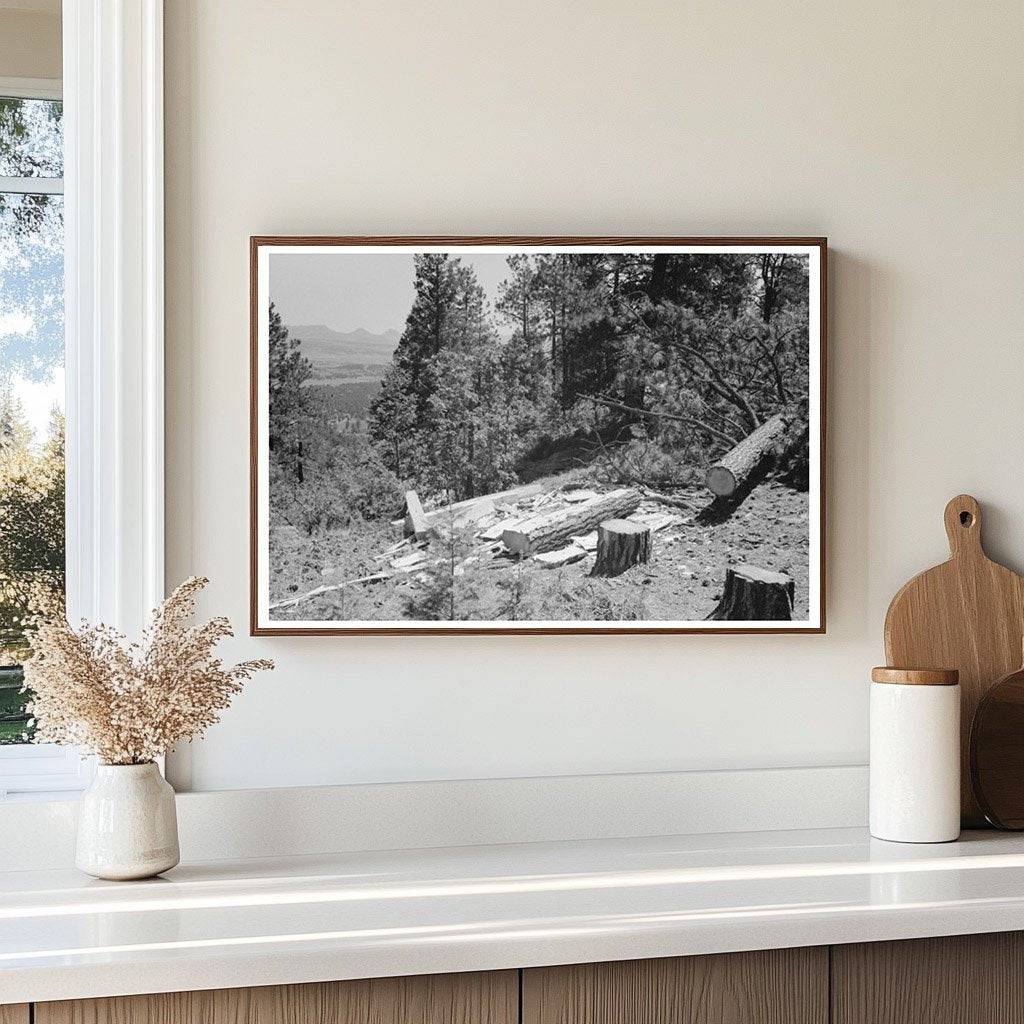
32 496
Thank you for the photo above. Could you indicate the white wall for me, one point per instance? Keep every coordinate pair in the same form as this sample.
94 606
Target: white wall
895 129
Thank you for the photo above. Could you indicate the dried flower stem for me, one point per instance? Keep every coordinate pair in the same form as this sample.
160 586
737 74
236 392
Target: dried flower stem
129 703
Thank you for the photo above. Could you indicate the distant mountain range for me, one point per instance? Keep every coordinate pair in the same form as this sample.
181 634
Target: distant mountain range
325 348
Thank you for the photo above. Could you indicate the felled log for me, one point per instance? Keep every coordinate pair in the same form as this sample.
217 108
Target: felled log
553 530
752 457
621 544
753 594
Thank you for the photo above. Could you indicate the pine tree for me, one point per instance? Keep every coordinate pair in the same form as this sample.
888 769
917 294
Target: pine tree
426 327
424 422
393 420
288 372
32 547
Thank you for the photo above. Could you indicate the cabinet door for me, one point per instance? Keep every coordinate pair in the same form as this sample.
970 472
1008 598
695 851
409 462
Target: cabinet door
962 979
778 986
490 998
14 1013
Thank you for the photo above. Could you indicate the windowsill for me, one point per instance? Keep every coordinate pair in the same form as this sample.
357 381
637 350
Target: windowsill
303 919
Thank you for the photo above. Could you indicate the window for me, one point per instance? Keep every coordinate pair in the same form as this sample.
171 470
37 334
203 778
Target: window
32 513
103 221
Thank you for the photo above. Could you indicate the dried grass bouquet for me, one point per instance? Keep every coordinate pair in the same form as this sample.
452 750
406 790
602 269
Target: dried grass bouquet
129 703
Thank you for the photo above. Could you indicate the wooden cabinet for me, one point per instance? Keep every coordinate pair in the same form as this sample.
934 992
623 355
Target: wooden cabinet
490 998
971 979
778 986
963 979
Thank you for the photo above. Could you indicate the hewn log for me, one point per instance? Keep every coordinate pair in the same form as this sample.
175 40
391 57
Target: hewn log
471 509
621 544
563 556
749 458
753 594
416 524
553 530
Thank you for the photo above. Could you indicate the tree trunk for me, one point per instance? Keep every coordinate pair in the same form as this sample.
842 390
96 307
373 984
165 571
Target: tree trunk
547 532
750 458
755 595
621 545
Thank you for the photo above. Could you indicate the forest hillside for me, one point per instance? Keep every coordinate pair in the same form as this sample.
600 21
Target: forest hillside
586 374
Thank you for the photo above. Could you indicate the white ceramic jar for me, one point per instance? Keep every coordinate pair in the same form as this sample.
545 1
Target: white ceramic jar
915 755
127 824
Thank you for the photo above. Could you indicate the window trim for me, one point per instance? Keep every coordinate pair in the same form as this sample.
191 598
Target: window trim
112 89
43 769
114 315
32 88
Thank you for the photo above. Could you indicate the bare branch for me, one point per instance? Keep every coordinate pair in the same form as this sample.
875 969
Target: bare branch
376 577
716 381
689 420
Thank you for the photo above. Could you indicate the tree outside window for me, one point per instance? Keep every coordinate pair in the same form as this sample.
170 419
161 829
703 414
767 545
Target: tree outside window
31 387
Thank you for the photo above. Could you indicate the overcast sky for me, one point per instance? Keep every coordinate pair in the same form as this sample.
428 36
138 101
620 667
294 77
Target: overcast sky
344 291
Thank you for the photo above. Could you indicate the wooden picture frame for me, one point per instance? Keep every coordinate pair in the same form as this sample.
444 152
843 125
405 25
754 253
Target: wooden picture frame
263 249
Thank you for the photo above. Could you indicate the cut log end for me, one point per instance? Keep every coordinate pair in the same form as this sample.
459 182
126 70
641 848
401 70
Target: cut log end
621 545
721 481
749 461
753 594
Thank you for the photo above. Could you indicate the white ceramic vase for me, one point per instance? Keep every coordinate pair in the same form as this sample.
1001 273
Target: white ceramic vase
127 825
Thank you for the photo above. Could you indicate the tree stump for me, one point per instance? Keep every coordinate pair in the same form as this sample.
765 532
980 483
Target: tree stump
753 594
621 545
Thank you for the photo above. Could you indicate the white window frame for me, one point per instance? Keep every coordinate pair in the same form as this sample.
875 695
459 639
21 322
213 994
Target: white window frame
114 324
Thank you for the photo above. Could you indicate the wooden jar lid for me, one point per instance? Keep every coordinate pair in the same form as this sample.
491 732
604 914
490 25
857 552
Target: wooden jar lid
916 676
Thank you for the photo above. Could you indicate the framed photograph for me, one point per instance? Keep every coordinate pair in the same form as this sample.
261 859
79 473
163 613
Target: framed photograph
537 435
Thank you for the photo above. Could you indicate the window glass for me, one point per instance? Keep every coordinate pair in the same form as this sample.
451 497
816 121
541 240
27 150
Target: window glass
31 139
31 388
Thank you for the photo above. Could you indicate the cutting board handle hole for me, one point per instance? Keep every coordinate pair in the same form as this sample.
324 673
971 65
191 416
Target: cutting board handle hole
966 519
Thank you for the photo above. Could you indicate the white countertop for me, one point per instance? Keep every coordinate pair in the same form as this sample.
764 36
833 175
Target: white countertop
261 922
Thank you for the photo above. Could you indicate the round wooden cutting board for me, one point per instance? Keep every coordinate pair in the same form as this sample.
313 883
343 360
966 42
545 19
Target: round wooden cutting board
997 752
967 614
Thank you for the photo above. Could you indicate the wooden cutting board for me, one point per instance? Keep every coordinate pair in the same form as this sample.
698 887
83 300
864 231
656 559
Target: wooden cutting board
997 752
967 614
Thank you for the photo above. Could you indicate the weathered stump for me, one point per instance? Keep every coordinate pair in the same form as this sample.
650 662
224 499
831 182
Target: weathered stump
555 529
621 545
753 594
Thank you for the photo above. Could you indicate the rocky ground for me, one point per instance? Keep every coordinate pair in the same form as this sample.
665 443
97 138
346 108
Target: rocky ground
464 572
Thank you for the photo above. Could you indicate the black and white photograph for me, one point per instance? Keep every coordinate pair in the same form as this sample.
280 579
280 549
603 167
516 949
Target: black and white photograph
524 435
